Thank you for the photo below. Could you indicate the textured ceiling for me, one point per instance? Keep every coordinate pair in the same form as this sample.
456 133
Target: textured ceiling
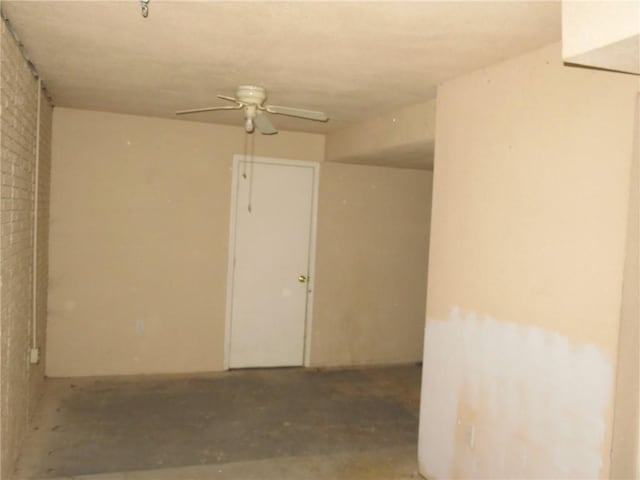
349 59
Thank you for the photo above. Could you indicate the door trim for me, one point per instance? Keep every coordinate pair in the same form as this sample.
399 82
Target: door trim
315 166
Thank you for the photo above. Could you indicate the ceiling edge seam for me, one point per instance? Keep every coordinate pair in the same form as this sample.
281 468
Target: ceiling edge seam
25 55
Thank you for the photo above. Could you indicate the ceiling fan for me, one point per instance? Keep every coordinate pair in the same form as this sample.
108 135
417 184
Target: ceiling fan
251 99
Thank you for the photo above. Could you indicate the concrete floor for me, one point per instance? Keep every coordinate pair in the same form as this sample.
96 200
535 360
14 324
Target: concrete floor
250 424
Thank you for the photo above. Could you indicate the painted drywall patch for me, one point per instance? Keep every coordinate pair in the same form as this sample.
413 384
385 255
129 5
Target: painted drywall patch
504 400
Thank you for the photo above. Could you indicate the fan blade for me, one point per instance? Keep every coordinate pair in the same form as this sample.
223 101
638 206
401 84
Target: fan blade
297 112
263 123
231 99
207 109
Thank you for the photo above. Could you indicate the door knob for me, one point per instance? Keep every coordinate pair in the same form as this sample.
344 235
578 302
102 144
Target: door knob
302 278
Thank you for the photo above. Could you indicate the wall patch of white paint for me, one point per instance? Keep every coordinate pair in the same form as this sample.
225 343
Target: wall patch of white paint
536 403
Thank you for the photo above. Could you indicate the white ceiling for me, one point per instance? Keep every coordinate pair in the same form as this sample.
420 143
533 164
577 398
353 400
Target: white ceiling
349 59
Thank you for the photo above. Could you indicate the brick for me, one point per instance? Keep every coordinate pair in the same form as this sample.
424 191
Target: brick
19 383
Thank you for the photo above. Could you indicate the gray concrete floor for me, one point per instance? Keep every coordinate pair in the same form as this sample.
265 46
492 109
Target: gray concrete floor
250 424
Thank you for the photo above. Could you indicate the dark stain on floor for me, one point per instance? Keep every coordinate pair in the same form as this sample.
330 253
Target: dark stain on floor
125 424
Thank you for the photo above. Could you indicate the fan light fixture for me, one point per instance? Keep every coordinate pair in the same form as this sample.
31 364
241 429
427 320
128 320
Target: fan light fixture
144 8
249 127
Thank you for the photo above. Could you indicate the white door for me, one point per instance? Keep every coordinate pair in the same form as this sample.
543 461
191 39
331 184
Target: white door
273 218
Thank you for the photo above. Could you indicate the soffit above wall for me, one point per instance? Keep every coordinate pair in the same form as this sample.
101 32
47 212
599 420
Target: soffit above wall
418 156
604 34
402 138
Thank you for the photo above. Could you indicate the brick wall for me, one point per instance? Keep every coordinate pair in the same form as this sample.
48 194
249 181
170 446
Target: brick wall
20 382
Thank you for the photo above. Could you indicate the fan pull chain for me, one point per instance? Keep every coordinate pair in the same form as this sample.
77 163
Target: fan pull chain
248 146
252 143
244 163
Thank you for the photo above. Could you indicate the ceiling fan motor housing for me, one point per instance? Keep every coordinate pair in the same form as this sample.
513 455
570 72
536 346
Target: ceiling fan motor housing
251 95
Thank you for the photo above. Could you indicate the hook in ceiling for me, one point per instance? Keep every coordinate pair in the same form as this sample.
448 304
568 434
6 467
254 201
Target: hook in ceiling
144 8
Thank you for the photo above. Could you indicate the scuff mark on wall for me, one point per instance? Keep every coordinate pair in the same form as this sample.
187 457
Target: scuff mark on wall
506 400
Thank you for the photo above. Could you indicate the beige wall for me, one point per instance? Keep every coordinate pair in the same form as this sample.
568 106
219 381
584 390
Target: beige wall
139 238
531 191
139 233
373 237
624 455
20 382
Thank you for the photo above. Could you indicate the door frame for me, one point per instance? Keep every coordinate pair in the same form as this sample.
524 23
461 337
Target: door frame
315 166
